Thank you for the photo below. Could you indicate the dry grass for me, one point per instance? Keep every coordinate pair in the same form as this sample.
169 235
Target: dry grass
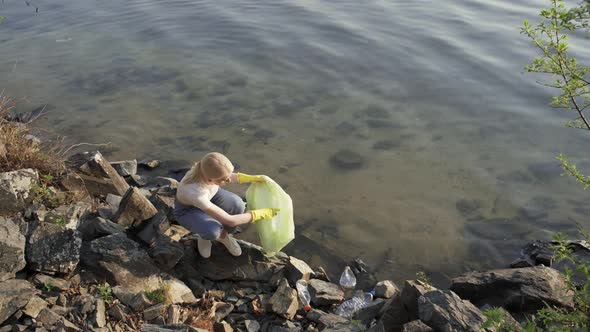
18 150
202 314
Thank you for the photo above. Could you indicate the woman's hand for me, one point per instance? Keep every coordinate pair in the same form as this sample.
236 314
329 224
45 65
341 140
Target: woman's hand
263 213
245 178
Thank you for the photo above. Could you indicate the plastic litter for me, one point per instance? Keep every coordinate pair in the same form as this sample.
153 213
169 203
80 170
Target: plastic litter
354 304
303 293
347 278
277 232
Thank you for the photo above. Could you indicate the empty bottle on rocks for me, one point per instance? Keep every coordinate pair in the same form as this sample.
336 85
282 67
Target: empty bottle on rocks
354 304
347 278
303 293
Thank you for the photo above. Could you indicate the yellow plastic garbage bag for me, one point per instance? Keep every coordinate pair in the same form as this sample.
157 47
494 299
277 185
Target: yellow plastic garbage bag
277 232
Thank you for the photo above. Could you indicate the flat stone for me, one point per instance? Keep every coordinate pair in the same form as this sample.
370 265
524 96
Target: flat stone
12 249
325 293
178 292
47 317
100 314
58 283
386 289
14 294
35 305
155 311
284 300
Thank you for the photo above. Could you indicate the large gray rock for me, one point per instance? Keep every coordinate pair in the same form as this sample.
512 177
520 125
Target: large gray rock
445 311
522 289
325 293
411 292
394 314
52 249
126 265
14 294
284 300
12 249
251 265
16 190
166 253
542 253
122 262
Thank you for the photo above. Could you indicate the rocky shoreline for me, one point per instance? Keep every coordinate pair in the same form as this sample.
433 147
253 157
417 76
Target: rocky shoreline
100 251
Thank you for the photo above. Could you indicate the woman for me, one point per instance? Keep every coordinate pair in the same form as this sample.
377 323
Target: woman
211 212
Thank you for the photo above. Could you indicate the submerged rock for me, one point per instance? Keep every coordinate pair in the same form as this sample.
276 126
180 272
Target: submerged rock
347 160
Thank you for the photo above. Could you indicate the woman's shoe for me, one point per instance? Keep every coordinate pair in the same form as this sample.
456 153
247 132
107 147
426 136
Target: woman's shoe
204 247
231 244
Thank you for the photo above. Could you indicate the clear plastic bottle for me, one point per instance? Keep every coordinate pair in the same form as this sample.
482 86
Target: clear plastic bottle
303 293
354 304
347 278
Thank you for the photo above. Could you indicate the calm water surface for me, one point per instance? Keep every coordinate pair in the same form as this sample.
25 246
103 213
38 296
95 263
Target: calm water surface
457 143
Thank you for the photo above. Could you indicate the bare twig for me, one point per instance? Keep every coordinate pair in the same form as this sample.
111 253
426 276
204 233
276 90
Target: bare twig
80 144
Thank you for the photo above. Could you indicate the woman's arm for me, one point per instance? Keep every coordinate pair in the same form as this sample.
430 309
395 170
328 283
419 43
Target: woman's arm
238 219
227 219
233 178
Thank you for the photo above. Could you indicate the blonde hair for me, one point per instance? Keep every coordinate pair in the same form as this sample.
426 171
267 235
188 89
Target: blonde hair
213 165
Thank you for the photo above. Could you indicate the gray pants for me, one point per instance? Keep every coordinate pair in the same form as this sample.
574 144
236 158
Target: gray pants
199 222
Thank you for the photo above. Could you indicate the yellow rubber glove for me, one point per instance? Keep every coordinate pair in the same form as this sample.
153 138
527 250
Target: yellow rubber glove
245 178
263 214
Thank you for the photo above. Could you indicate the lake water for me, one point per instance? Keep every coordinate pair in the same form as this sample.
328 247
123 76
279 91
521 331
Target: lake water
457 143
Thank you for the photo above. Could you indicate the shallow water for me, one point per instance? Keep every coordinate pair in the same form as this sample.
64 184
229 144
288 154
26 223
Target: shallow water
457 146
